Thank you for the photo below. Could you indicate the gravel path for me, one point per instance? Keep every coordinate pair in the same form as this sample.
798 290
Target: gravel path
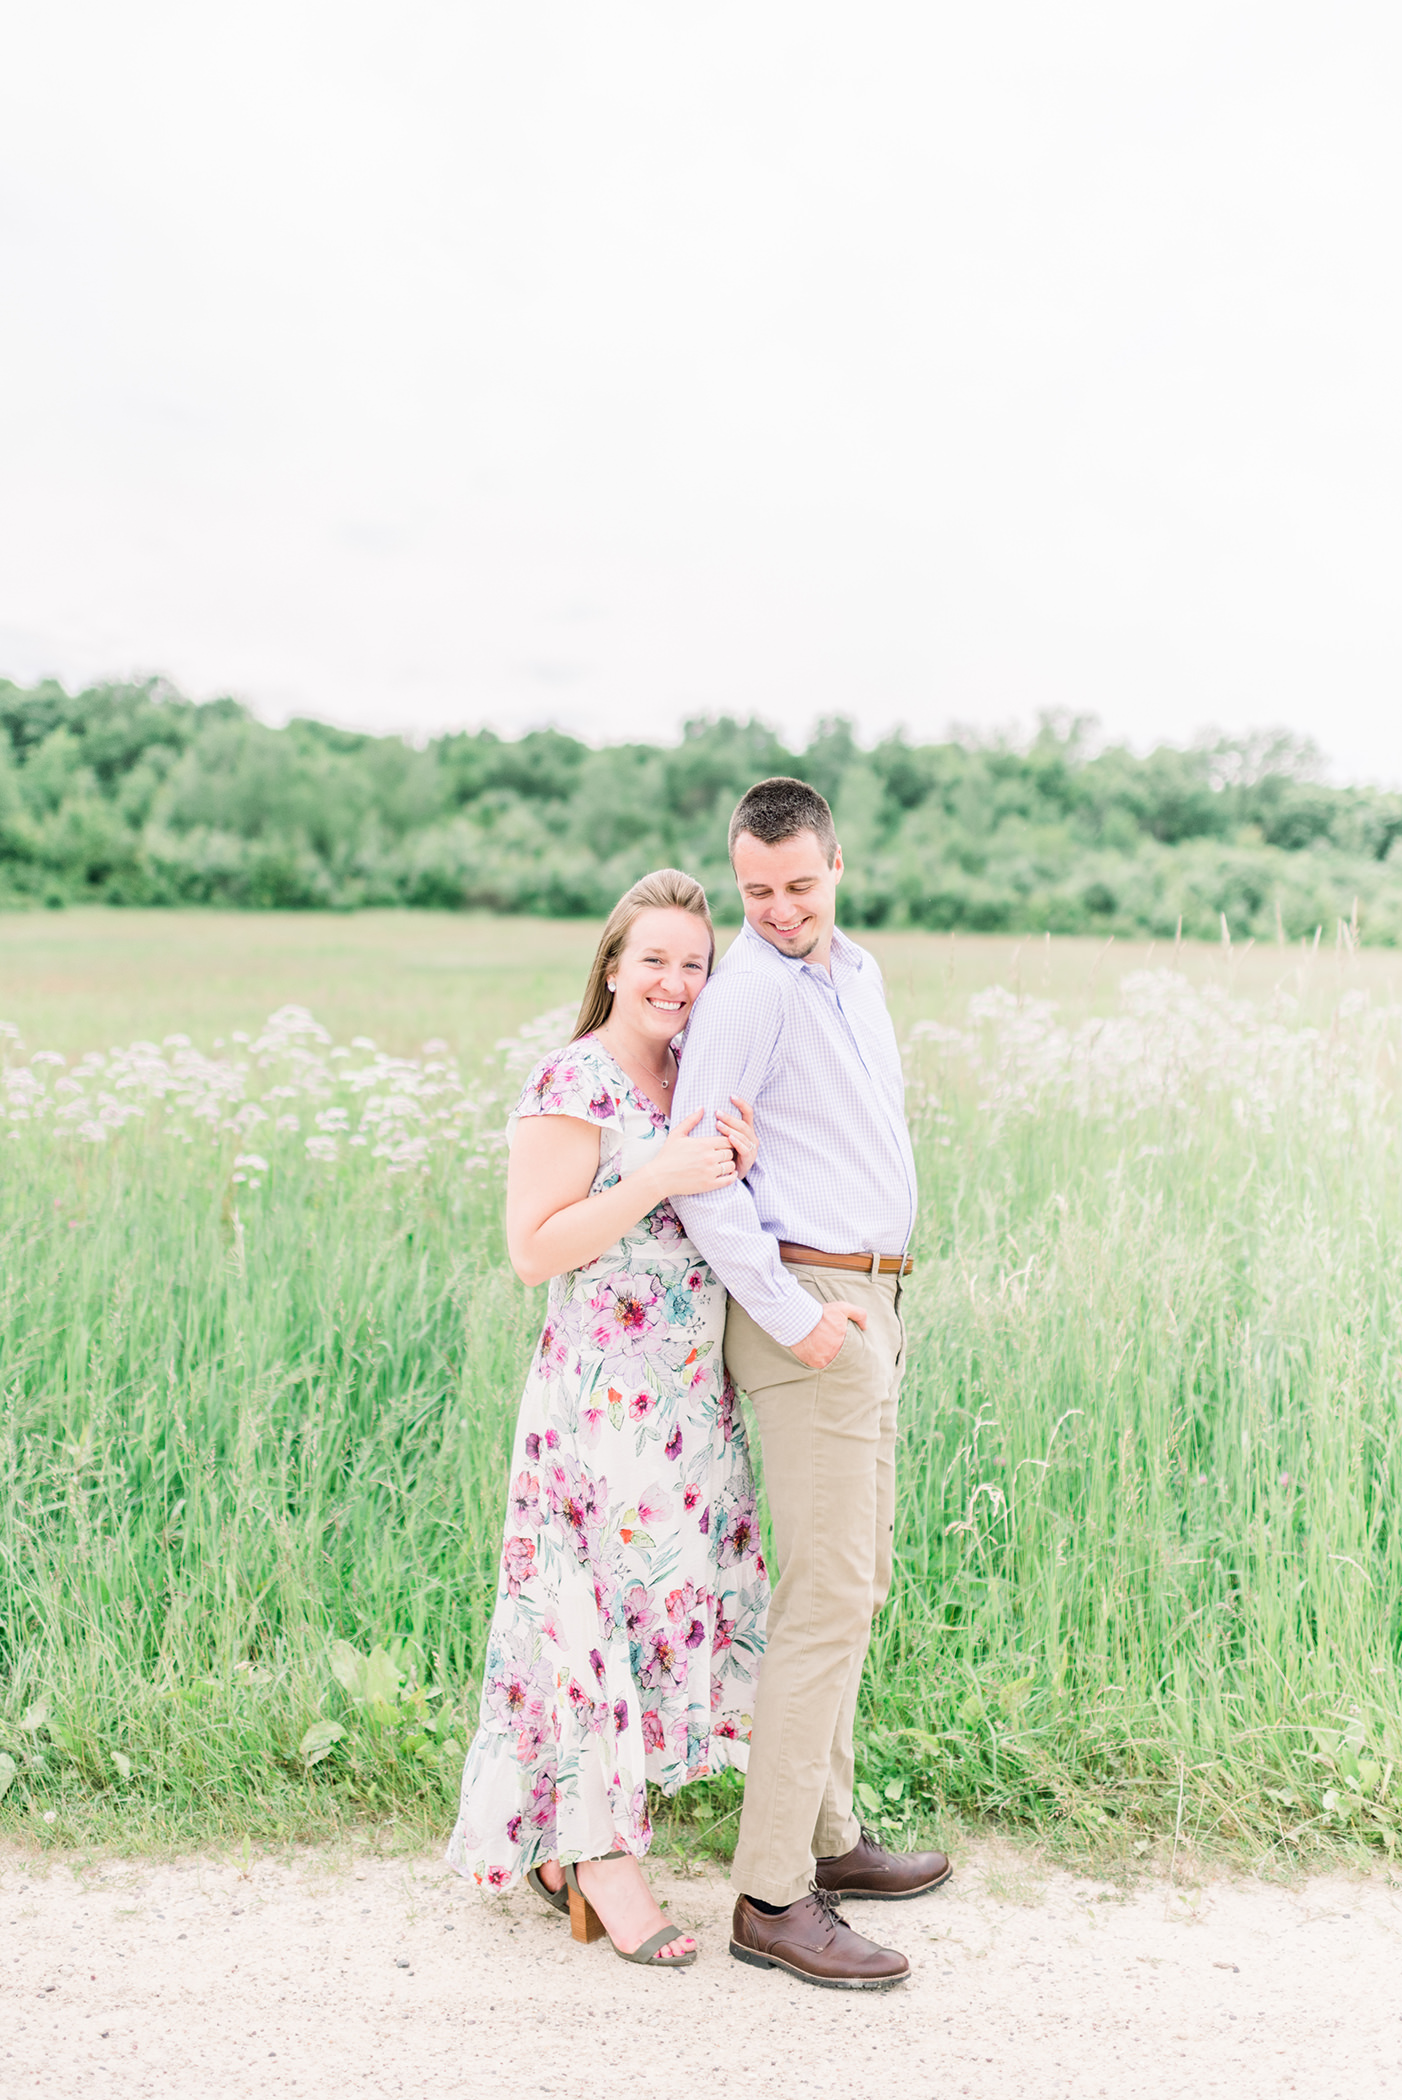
331 1976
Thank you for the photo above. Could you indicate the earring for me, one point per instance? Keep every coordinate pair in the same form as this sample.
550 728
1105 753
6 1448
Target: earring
612 984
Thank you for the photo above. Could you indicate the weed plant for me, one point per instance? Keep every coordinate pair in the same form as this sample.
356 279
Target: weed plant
260 1352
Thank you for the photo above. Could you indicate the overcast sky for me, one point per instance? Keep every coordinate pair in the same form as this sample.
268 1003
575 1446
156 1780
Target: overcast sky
442 363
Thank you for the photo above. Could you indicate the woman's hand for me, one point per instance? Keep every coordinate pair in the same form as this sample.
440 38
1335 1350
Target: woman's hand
688 1166
740 1130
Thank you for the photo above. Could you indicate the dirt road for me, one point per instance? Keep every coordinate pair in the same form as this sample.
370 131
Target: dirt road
333 1976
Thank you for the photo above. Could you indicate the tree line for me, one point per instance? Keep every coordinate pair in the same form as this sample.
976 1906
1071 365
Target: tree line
130 794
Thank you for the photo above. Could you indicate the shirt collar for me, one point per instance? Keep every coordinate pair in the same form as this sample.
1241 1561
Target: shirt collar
846 955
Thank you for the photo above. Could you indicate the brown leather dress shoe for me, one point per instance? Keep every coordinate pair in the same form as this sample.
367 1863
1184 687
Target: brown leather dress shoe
813 1941
870 1871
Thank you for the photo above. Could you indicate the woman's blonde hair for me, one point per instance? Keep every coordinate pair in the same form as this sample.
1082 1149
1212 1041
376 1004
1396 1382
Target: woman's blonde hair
666 889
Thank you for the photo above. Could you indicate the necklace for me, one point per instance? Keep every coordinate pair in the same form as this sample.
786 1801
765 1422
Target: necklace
655 1077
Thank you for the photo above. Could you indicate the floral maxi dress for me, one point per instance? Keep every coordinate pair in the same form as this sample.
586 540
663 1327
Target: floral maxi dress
630 1606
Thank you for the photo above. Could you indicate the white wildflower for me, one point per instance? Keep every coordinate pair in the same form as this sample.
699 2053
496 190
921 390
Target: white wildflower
549 1031
394 1111
1170 1043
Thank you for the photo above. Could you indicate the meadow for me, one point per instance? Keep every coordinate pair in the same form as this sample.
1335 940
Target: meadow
260 1354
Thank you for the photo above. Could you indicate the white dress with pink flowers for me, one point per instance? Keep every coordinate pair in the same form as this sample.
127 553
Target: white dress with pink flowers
630 1606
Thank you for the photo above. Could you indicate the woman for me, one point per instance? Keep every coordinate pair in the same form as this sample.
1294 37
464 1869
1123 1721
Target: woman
630 1605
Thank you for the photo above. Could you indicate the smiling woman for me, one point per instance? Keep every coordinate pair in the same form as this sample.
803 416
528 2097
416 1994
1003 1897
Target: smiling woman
632 1591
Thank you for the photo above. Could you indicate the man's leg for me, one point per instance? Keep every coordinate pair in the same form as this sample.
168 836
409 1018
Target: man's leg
822 1435
849 1862
837 1827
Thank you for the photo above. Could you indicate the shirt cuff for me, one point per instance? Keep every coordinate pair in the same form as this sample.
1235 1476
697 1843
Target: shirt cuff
797 1316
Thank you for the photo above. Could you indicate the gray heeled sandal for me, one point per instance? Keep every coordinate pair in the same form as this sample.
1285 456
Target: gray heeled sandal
587 1926
558 1899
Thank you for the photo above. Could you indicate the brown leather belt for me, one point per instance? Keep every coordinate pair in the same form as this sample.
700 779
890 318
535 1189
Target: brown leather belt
869 1264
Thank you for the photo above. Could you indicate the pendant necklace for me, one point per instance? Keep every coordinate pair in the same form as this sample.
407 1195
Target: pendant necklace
655 1077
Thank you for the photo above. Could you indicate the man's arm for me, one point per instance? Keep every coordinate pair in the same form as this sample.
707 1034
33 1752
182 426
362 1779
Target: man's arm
730 1045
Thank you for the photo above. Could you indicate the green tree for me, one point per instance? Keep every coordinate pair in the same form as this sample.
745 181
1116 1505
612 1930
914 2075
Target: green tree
134 794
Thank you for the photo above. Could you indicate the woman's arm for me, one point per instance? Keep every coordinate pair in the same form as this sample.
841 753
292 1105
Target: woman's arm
552 1221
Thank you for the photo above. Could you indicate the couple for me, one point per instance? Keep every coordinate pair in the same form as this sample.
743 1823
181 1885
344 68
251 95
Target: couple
682 1253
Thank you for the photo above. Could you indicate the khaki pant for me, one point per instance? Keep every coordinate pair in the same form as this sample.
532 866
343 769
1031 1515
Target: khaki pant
829 1442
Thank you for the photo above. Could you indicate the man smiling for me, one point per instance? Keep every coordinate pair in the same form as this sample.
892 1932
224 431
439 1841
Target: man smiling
812 1250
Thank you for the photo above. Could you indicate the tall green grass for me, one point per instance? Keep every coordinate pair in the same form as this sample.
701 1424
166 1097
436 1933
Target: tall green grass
226 1437
253 1445
1150 1571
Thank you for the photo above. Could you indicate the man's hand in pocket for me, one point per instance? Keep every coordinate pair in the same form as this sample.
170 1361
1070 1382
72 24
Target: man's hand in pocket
818 1348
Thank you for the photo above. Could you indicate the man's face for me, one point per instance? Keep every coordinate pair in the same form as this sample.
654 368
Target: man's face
789 892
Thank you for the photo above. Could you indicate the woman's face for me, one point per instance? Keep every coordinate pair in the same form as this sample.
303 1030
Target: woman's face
662 968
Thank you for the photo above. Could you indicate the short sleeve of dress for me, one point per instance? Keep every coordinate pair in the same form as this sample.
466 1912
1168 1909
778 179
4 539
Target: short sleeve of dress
574 1081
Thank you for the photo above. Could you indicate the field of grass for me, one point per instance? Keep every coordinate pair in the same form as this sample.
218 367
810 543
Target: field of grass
260 1352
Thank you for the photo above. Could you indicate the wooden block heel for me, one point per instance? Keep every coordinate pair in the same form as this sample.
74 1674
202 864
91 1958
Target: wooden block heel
584 1919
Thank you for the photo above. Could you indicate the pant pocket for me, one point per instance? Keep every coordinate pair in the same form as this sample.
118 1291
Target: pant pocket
853 1346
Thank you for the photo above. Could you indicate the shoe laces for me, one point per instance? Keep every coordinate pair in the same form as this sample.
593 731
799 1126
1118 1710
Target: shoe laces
830 1904
869 1837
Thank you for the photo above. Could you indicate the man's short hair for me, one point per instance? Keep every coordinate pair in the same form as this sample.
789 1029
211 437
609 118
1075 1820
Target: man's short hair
775 810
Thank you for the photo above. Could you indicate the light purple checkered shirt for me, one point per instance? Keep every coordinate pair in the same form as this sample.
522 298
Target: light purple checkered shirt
815 1055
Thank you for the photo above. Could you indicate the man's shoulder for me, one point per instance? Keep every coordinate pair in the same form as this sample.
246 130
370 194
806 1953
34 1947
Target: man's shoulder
739 992
752 960
744 953
742 974
861 959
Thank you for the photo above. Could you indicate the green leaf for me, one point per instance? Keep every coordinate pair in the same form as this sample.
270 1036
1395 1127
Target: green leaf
971 1709
935 1744
34 1717
320 1740
123 1765
894 1788
382 1680
1013 1697
869 1798
348 1668
1369 1773
9 1772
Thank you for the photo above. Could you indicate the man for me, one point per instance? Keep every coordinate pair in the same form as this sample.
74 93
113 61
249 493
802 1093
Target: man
812 1251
